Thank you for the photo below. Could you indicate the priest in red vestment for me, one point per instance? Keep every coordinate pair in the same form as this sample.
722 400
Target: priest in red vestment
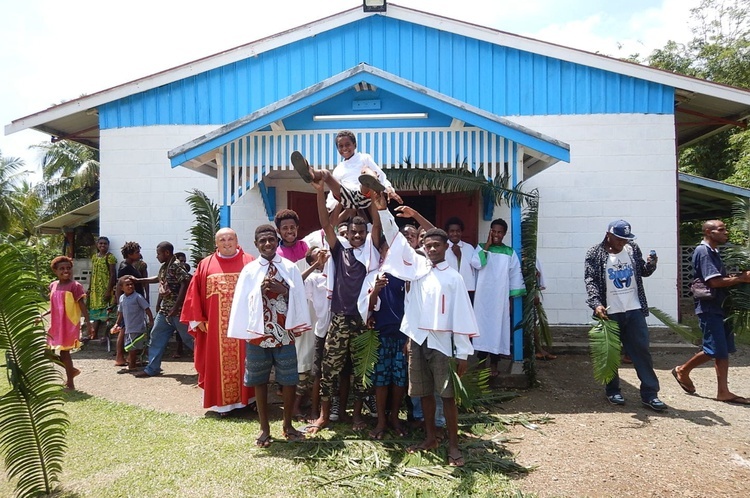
219 360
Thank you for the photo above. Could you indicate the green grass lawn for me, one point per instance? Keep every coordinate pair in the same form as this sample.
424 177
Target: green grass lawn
118 450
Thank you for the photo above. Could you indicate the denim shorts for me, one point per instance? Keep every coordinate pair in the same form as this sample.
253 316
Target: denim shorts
718 338
259 361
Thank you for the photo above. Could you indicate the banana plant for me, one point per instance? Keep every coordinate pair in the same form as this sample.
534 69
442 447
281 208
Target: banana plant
33 424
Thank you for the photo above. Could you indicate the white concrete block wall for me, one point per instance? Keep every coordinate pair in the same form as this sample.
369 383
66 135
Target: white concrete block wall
622 166
142 196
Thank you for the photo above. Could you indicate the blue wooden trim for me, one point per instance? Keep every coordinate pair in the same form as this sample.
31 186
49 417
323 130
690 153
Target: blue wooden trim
264 117
225 216
488 208
457 112
264 120
515 221
268 194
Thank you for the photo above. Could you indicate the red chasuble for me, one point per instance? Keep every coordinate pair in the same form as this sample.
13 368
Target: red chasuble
219 360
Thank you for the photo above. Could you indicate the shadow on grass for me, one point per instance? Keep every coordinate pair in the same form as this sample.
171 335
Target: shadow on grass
76 396
347 461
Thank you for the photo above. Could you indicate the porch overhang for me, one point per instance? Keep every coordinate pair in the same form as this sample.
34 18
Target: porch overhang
201 154
705 199
70 220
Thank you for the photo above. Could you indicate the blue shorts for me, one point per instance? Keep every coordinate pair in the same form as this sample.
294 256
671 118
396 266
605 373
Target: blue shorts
391 366
259 361
718 338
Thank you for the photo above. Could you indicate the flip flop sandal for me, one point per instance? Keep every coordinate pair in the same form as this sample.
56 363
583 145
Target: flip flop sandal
372 183
685 387
294 437
264 442
301 166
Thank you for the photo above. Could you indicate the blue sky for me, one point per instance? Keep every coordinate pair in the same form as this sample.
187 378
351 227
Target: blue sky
52 51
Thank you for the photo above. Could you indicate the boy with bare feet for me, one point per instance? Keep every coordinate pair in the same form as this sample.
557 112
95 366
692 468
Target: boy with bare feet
269 310
355 261
132 311
352 181
387 305
438 319
718 338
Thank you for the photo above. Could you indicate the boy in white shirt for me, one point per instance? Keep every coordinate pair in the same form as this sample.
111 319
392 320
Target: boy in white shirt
352 180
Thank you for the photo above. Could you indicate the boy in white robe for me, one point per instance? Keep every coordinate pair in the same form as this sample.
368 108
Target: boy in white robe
499 279
460 253
438 319
269 310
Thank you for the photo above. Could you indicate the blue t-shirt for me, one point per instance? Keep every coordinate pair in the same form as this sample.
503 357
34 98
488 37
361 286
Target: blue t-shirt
707 264
133 309
391 312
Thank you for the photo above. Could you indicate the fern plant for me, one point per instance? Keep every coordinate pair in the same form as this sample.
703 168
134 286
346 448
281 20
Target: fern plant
32 422
365 355
604 340
202 233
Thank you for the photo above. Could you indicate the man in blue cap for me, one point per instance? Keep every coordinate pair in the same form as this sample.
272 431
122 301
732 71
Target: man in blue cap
614 271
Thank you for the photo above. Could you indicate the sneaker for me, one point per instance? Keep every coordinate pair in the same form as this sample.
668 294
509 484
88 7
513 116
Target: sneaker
655 404
334 409
616 399
369 402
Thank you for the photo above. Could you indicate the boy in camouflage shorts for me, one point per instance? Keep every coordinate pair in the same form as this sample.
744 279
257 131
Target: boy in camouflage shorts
356 262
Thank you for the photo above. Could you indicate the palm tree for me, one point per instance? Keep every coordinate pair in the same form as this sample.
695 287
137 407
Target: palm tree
11 175
71 175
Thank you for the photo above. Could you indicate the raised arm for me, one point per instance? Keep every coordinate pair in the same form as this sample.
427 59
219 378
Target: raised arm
377 226
409 212
325 221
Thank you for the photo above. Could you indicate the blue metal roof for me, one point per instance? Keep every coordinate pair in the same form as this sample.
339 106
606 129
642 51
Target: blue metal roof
500 80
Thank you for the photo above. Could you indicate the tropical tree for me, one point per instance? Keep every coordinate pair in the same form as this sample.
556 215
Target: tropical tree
718 52
11 176
71 175
32 422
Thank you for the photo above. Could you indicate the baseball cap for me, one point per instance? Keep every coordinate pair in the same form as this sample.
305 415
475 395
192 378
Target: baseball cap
621 229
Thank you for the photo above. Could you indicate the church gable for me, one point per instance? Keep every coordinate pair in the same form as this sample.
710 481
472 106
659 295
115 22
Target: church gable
501 80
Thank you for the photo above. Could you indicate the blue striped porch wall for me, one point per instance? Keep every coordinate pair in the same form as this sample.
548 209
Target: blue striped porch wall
500 80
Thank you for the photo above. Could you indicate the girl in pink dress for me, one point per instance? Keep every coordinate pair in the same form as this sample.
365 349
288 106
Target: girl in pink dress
66 298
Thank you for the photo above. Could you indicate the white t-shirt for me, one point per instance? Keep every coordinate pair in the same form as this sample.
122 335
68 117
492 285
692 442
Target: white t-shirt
622 289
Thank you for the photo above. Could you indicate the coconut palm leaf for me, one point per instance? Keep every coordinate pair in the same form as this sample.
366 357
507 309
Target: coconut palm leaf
604 340
459 179
690 334
470 388
365 355
203 232
32 422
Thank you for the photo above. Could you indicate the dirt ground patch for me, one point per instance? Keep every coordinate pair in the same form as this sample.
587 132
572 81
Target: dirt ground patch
698 448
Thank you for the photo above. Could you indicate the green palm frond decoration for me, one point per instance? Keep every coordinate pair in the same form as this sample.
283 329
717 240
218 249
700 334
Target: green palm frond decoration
32 422
365 355
458 179
470 388
604 339
203 232
691 334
